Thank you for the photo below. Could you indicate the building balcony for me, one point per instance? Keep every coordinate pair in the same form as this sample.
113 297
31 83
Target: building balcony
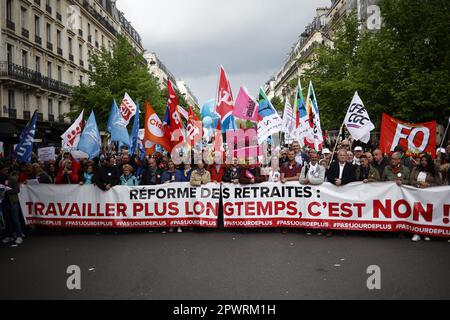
90 38
51 118
59 51
31 77
26 115
71 57
58 17
38 40
37 2
25 33
80 32
48 9
10 25
96 44
81 63
49 46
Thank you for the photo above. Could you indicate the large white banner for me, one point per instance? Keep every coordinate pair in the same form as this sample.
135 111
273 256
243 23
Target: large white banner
73 206
371 207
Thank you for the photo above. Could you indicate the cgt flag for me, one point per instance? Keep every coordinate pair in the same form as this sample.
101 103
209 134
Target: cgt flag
224 102
127 108
72 136
173 124
358 121
415 138
24 148
154 133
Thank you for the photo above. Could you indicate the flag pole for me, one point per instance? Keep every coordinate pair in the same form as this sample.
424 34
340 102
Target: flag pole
445 134
335 146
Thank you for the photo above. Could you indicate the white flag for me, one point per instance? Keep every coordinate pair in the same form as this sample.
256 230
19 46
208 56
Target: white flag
288 119
358 121
72 136
128 108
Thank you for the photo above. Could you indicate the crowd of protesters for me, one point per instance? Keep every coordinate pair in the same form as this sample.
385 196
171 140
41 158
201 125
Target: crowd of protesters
349 163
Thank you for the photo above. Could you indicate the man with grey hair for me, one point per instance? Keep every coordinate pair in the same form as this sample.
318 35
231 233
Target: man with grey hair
396 171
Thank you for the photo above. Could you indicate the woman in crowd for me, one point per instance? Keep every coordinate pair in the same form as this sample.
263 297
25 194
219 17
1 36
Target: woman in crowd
365 172
67 174
88 176
185 174
425 176
127 178
51 171
171 174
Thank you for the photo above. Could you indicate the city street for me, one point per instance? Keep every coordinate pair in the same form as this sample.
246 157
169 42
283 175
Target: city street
223 265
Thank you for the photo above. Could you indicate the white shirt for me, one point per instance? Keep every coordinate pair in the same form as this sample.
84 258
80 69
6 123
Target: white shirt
341 170
299 159
313 171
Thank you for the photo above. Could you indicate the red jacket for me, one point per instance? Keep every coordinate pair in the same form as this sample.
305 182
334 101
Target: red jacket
216 176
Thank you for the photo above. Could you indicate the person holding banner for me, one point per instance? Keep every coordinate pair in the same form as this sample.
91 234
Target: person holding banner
425 175
251 174
365 172
152 174
341 172
291 170
171 174
380 162
200 176
313 173
108 176
88 175
39 174
127 178
233 173
396 171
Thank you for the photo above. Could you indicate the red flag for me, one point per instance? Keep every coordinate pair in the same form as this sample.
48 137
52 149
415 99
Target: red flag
154 133
194 128
174 122
224 101
415 138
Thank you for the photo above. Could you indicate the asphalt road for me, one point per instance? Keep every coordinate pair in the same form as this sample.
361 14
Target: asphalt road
223 265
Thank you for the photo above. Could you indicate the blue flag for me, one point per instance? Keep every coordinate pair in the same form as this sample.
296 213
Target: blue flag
117 126
24 148
90 141
135 132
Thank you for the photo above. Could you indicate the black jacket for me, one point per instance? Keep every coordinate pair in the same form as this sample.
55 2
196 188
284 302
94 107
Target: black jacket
231 175
151 177
107 175
348 175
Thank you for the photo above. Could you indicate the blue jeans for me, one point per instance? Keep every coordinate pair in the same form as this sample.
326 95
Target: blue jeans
12 221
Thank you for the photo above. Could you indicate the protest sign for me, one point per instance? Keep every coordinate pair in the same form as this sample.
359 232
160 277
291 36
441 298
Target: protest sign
72 206
46 154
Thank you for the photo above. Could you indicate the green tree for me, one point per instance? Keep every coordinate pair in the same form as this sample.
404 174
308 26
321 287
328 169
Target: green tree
114 74
402 69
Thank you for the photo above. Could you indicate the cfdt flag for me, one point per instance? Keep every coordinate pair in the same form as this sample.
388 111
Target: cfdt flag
154 133
224 102
90 141
358 121
415 138
246 107
24 148
312 109
172 121
72 136
128 108
270 121
117 126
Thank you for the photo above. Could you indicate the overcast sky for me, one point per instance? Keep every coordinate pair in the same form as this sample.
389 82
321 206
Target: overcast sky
250 38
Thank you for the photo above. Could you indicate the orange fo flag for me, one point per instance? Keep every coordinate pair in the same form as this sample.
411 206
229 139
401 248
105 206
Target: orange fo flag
154 133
